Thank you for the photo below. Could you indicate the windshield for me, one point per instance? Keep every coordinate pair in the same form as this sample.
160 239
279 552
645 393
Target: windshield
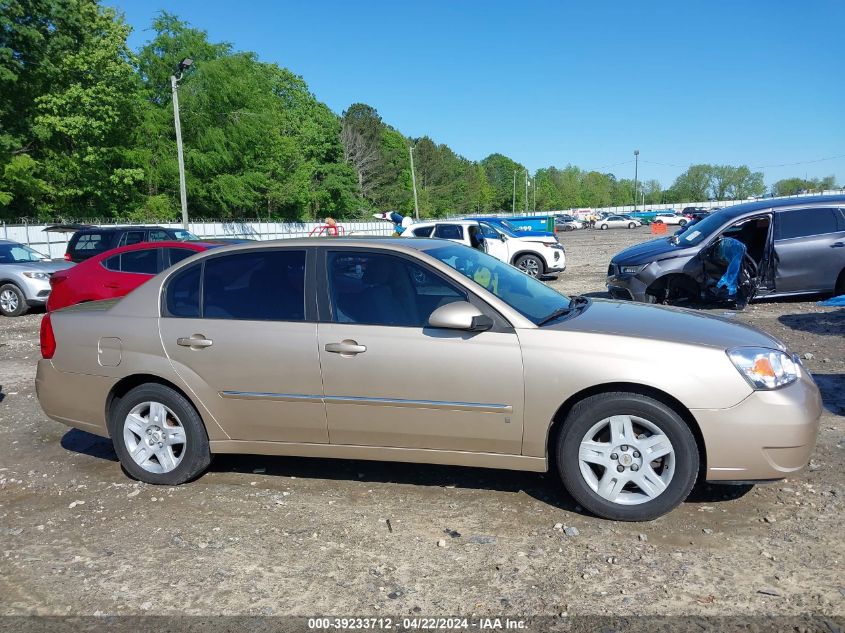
505 227
531 298
19 254
185 236
701 230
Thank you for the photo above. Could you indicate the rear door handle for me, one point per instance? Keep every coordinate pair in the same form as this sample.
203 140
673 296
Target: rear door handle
347 347
197 341
837 245
113 286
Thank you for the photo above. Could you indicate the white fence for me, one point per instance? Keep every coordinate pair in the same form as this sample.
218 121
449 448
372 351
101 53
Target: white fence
55 244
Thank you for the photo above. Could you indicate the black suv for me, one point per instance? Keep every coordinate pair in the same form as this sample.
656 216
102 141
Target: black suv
94 240
789 246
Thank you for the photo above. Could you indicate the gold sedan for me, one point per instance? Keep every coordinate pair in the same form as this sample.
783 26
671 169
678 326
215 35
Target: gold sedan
422 350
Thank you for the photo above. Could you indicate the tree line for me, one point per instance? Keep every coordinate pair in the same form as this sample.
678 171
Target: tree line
86 131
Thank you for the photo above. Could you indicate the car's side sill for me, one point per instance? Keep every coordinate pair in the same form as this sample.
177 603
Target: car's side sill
385 454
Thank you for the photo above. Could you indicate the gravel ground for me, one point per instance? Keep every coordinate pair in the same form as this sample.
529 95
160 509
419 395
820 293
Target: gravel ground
260 535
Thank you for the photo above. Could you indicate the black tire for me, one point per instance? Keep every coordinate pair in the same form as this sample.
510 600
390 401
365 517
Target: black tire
16 304
531 265
594 409
682 223
603 227
197 455
632 225
839 288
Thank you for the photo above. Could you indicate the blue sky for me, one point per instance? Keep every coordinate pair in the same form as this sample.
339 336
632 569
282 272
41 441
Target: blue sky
551 83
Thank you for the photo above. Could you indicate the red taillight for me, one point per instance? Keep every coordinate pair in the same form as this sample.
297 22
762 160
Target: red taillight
48 339
67 257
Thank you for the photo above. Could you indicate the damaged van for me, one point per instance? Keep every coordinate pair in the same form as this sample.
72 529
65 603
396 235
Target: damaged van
766 248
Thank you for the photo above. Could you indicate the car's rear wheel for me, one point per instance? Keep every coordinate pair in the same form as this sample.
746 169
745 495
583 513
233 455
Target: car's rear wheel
158 435
627 457
603 227
12 301
682 223
839 288
530 265
632 225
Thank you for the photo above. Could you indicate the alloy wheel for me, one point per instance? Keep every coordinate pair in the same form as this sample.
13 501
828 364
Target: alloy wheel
626 460
154 436
530 266
9 301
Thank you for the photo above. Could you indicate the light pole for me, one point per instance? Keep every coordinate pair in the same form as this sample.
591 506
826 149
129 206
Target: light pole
414 183
534 191
174 84
513 206
636 165
526 191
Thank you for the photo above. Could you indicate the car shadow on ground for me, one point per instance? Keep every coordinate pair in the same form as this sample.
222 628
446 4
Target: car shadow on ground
543 487
821 323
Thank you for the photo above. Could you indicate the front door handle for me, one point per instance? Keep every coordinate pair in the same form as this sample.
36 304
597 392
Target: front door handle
196 341
837 245
346 348
112 285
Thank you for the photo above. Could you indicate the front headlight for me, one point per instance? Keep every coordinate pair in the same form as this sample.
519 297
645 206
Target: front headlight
632 270
765 368
37 275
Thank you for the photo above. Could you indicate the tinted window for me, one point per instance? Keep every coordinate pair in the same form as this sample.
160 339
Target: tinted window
449 232
258 286
91 243
183 293
112 263
144 261
158 235
489 231
423 232
131 237
805 222
178 254
378 289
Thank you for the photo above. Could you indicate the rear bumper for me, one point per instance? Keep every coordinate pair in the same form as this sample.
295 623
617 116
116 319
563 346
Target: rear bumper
769 435
77 400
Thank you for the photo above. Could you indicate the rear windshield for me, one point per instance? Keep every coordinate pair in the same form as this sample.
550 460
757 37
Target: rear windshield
92 242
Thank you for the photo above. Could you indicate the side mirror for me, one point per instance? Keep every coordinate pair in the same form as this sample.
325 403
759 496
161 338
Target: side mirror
460 315
503 237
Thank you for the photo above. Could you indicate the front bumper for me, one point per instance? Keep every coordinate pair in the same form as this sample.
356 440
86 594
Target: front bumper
769 435
36 291
555 261
627 287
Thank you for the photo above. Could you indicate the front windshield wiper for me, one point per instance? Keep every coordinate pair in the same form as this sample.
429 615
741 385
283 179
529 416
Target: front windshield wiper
574 302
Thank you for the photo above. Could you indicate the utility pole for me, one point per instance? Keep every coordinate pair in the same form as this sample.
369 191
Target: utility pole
534 190
513 207
636 165
174 84
414 183
526 191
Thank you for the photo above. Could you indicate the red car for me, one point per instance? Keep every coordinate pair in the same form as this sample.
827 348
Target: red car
117 272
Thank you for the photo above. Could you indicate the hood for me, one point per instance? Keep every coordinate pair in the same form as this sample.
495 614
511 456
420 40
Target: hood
522 233
665 323
45 266
653 250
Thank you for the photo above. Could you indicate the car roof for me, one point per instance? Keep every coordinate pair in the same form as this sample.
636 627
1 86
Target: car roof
96 229
779 203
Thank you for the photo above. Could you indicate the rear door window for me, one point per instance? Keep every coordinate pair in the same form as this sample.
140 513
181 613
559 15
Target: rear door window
449 231
256 286
182 297
424 231
132 237
144 261
804 223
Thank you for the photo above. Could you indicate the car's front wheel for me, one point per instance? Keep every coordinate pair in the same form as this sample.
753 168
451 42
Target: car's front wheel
12 301
682 223
530 265
632 225
158 435
627 457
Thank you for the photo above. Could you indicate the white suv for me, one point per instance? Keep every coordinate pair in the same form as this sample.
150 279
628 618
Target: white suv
670 218
533 255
